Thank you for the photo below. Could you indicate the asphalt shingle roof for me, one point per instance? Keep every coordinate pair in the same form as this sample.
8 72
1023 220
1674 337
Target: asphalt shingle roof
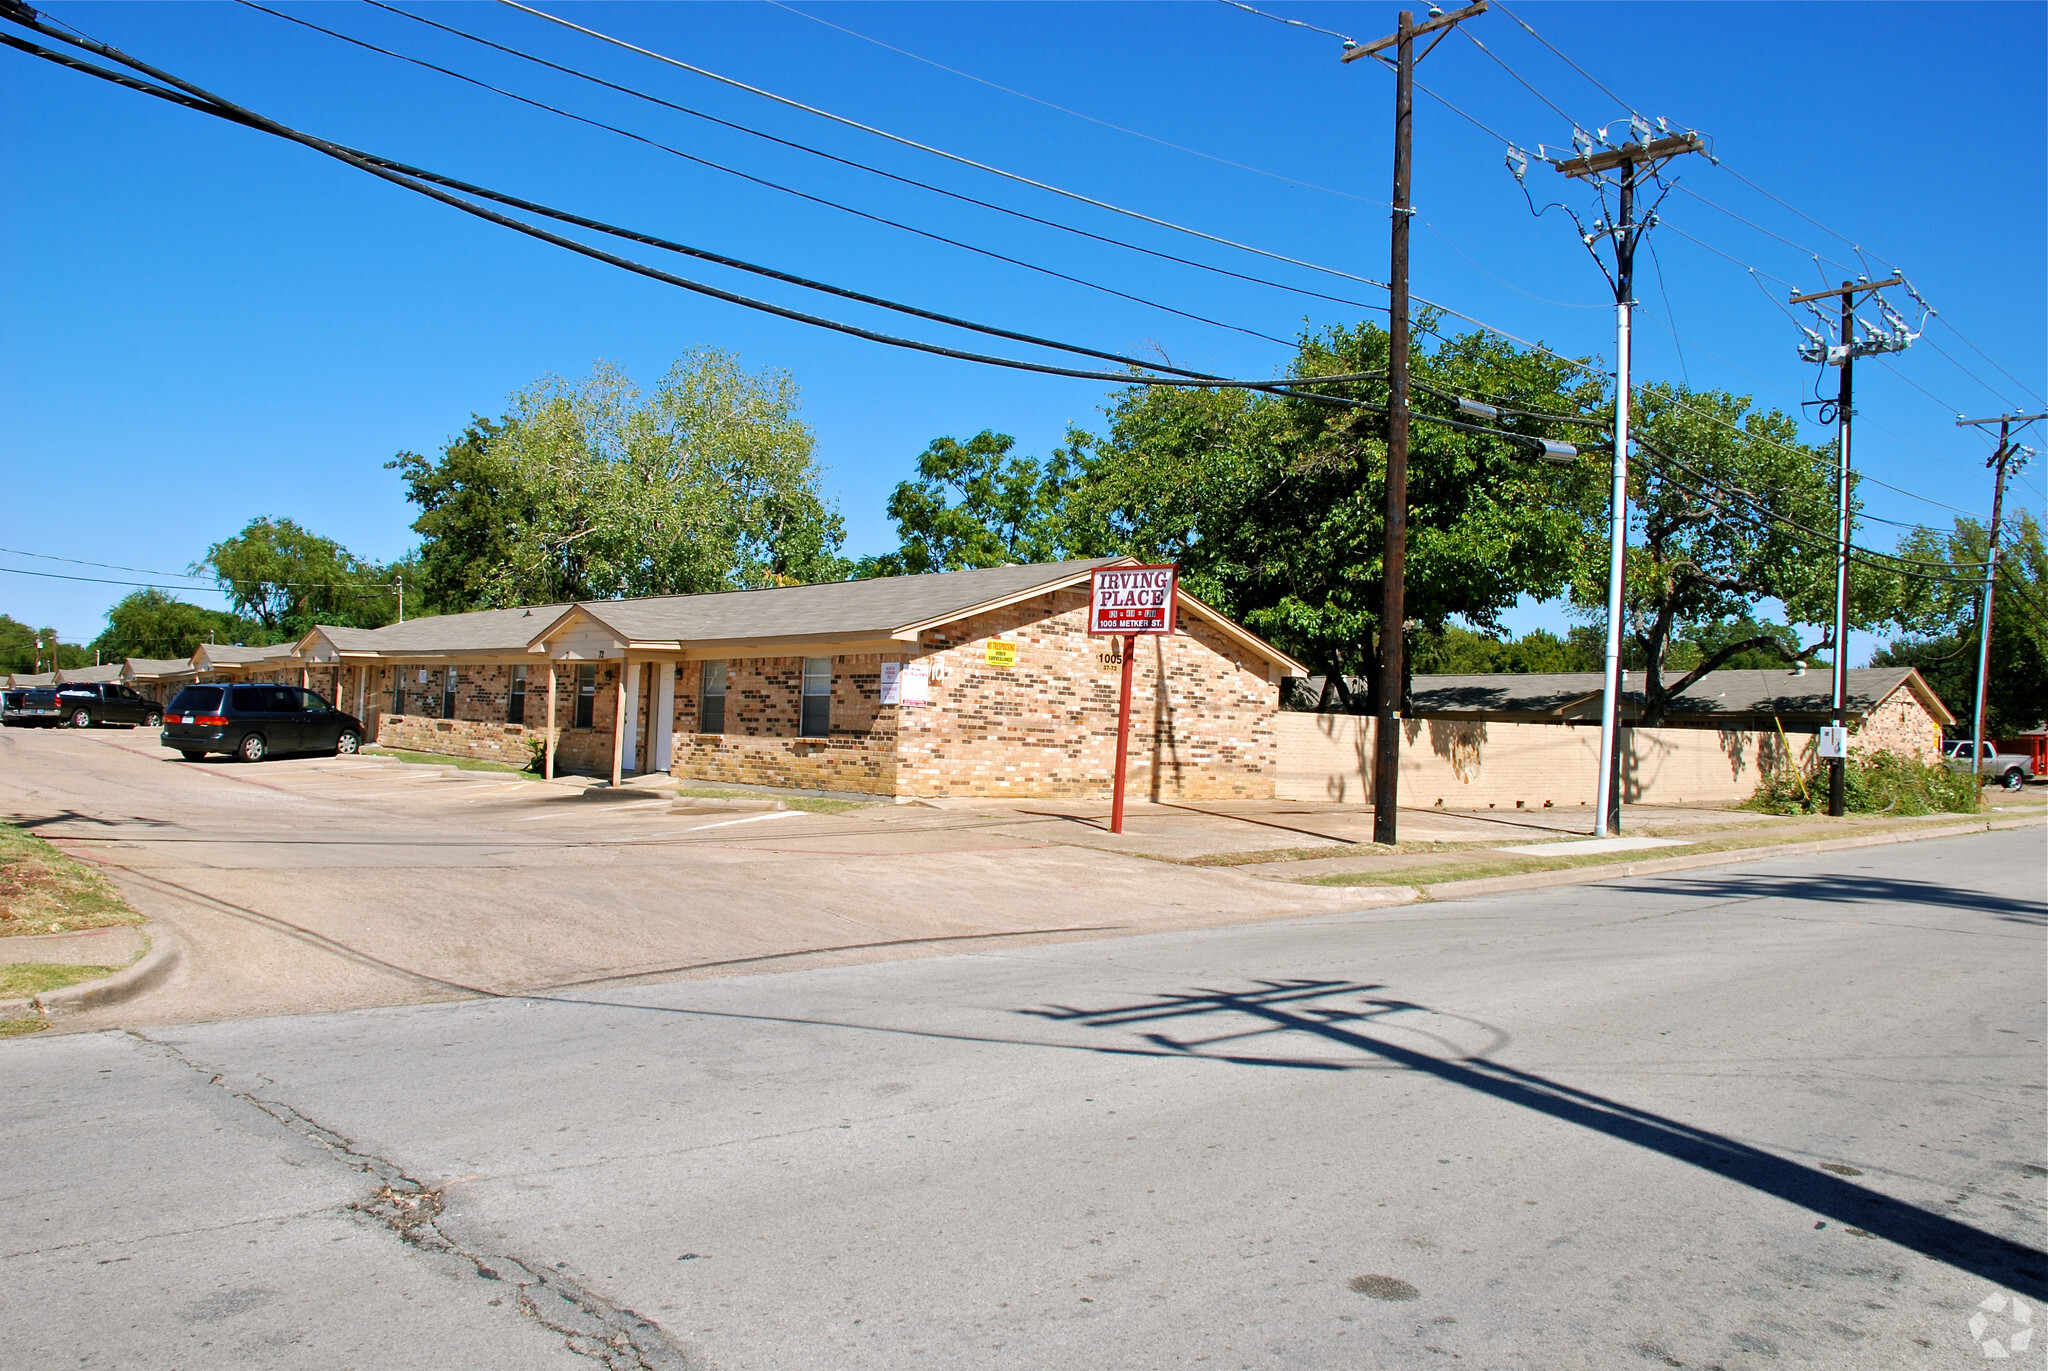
882 605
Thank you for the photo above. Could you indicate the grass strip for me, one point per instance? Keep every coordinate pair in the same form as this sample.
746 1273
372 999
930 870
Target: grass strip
1519 865
44 891
19 1028
20 980
445 759
809 804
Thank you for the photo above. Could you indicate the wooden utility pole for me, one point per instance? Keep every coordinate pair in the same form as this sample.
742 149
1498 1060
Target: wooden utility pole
1386 759
1630 159
1997 460
1845 356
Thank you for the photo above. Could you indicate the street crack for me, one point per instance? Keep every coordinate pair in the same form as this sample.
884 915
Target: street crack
612 1335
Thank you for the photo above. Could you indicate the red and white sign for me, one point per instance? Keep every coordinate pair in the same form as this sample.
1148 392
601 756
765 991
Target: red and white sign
1131 599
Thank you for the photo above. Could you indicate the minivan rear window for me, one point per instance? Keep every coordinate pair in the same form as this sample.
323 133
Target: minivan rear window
197 700
251 699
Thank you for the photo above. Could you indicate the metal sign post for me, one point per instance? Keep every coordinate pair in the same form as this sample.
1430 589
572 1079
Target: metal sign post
1127 602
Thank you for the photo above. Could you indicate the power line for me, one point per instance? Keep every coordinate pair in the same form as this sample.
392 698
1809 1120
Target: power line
212 104
765 182
214 576
1566 60
1291 23
954 157
857 165
1077 114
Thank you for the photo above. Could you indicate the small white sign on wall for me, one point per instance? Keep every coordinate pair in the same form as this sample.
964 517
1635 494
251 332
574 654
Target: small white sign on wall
423 675
892 683
915 683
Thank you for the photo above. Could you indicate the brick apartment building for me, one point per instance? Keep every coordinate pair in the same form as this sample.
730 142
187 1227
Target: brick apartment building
958 683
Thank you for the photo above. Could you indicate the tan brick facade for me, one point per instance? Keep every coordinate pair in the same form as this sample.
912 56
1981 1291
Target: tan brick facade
1899 724
763 717
1202 713
1036 719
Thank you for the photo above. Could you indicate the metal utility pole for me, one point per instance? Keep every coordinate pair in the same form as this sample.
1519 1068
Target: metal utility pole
1997 460
1631 159
1843 355
1386 759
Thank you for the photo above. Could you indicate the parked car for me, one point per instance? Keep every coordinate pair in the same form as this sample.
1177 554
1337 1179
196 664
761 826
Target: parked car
2010 769
252 721
29 707
85 704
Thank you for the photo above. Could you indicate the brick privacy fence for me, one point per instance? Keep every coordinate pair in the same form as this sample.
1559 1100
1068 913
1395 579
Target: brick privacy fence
1459 765
1202 716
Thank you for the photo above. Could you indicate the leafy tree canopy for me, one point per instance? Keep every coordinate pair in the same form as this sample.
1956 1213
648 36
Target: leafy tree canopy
593 490
1704 555
1938 617
288 579
18 651
1273 506
150 623
974 504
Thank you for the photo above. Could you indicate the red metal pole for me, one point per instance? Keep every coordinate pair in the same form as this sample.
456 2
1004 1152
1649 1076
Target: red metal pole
1123 737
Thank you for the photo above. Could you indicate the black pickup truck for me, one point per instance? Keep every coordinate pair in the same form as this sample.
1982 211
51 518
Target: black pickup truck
80 704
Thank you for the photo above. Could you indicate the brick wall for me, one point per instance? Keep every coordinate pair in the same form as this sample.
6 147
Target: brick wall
1504 766
1202 713
482 697
763 716
490 742
1900 724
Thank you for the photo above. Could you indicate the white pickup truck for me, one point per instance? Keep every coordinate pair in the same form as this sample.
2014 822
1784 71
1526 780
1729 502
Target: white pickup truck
2010 769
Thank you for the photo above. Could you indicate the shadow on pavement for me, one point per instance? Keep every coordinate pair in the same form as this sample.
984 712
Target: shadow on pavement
1839 888
1316 1009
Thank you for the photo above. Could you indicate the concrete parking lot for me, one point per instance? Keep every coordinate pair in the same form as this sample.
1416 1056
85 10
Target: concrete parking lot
320 883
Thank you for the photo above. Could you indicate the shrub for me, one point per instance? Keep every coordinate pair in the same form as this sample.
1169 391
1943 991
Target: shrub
1874 783
536 755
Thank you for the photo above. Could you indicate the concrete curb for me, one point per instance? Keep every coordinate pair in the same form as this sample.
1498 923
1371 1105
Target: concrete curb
156 965
1587 875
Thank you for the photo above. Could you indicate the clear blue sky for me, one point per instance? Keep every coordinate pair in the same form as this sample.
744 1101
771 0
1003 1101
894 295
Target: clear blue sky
200 324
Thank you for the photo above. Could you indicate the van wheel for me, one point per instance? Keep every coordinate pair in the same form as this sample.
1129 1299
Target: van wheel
81 718
348 744
253 748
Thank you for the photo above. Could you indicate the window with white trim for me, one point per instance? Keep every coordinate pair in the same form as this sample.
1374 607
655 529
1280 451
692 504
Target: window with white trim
711 705
817 697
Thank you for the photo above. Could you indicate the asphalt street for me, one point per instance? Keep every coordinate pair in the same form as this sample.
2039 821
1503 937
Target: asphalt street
1789 1113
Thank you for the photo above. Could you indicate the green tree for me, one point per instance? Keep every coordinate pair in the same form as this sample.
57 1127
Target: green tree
1274 506
19 653
592 490
973 504
150 623
1937 616
1705 549
288 579
1460 651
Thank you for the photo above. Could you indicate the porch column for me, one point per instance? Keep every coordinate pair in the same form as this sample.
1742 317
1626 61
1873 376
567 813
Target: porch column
619 725
661 724
629 721
547 766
